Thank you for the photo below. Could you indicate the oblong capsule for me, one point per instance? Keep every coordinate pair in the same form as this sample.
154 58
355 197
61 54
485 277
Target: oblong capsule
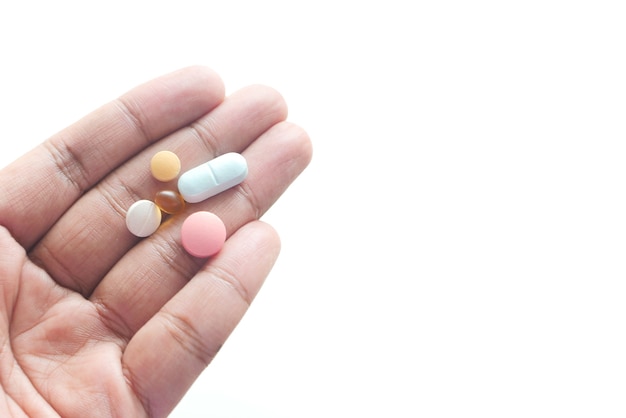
212 177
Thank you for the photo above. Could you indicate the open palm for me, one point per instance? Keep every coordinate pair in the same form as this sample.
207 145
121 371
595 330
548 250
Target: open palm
97 322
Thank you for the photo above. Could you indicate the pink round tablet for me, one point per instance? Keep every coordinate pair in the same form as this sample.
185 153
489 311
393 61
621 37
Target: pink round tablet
203 234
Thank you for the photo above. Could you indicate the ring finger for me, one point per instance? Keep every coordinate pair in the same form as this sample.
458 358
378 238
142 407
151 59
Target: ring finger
158 267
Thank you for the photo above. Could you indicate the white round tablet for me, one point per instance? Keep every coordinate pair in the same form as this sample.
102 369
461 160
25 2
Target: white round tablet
143 218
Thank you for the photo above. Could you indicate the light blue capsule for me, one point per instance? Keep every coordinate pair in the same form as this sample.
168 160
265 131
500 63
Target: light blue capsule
212 177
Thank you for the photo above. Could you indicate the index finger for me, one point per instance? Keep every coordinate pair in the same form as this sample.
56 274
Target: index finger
39 187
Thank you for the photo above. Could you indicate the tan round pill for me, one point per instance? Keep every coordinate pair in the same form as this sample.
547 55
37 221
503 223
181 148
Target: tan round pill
165 166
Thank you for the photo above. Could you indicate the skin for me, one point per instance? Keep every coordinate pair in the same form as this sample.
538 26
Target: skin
97 322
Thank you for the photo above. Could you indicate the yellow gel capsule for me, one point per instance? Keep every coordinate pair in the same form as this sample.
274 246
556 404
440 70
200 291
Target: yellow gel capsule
169 201
165 165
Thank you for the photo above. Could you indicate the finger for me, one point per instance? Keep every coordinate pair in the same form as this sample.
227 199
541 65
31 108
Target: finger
158 267
171 350
92 236
39 187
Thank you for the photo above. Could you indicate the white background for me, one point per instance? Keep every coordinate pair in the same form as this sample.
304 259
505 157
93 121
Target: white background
456 247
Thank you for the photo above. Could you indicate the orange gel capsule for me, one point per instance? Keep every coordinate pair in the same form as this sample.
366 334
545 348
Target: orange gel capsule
169 201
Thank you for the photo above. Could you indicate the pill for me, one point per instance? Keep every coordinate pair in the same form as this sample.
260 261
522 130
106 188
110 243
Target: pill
165 165
143 218
203 234
169 201
213 177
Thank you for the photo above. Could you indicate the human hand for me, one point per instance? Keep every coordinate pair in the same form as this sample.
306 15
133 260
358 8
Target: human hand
97 322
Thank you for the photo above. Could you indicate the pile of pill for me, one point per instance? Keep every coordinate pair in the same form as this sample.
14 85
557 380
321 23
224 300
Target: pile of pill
202 233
